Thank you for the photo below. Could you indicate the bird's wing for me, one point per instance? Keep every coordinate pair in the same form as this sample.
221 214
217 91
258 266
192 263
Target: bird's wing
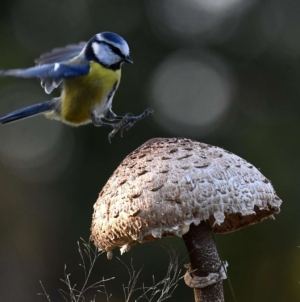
49 71
50 74
58 55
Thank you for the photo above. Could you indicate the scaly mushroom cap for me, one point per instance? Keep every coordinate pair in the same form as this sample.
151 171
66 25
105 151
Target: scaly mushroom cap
168 183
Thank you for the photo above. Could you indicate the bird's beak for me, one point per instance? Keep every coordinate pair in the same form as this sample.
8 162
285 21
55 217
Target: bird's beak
128 59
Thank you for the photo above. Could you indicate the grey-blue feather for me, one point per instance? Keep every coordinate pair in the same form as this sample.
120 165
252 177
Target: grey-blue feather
58 55
62 54
51 75
29 111
48 71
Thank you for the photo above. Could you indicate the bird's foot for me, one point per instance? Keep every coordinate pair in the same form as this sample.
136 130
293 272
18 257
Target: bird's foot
134 119
119 126
127 122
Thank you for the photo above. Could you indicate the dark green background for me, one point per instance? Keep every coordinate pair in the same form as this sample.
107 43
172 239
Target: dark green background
46 200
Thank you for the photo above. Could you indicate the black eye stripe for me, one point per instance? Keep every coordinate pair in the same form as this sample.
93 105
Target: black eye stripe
91 56
113 48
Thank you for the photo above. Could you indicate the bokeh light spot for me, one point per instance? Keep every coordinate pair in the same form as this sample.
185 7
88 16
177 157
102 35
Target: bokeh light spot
191 93
196 21
220 6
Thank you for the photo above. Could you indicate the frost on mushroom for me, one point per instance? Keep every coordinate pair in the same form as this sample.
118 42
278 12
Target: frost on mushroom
168 183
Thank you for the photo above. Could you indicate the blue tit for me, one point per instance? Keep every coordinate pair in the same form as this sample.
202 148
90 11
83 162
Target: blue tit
90 74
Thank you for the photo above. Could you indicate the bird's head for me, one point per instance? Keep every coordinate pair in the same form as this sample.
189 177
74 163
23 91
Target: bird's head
108 49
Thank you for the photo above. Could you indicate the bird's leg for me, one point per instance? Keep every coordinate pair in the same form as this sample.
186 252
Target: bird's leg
134 119
97 121
120 125
126 121
111 116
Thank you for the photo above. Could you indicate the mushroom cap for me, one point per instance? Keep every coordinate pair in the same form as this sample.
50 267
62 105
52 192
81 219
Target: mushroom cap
168 183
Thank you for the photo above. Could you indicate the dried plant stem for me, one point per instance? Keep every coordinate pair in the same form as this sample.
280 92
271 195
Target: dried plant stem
205 260
158 291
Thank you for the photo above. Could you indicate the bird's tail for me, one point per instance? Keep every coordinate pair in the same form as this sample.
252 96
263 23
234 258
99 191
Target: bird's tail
28 111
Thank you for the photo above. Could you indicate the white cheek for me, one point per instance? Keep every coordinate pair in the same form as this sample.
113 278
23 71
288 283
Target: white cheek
109 58
96 48
104 54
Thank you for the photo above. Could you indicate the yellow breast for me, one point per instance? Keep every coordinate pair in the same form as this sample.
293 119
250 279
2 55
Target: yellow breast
81 94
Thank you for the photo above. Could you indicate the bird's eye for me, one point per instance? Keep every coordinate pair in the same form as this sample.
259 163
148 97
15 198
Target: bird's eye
116 51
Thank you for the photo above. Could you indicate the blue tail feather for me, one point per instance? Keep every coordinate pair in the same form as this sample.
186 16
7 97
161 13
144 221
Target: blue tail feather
27 112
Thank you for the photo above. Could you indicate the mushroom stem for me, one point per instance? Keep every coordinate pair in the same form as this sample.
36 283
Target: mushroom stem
205 263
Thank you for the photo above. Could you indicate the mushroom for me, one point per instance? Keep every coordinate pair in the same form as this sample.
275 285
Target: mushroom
178 186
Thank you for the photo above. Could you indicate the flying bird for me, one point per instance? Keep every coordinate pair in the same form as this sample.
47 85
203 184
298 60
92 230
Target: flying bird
90 74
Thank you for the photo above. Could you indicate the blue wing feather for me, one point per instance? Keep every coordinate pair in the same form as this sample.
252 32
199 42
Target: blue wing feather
58 55
52 67
28 111
48 71
63 54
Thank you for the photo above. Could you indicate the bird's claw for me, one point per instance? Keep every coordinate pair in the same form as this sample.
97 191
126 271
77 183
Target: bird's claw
127 122
134 119
147 112
119 126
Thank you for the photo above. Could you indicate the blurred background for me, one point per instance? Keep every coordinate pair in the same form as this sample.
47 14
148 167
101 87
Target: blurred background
221 72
